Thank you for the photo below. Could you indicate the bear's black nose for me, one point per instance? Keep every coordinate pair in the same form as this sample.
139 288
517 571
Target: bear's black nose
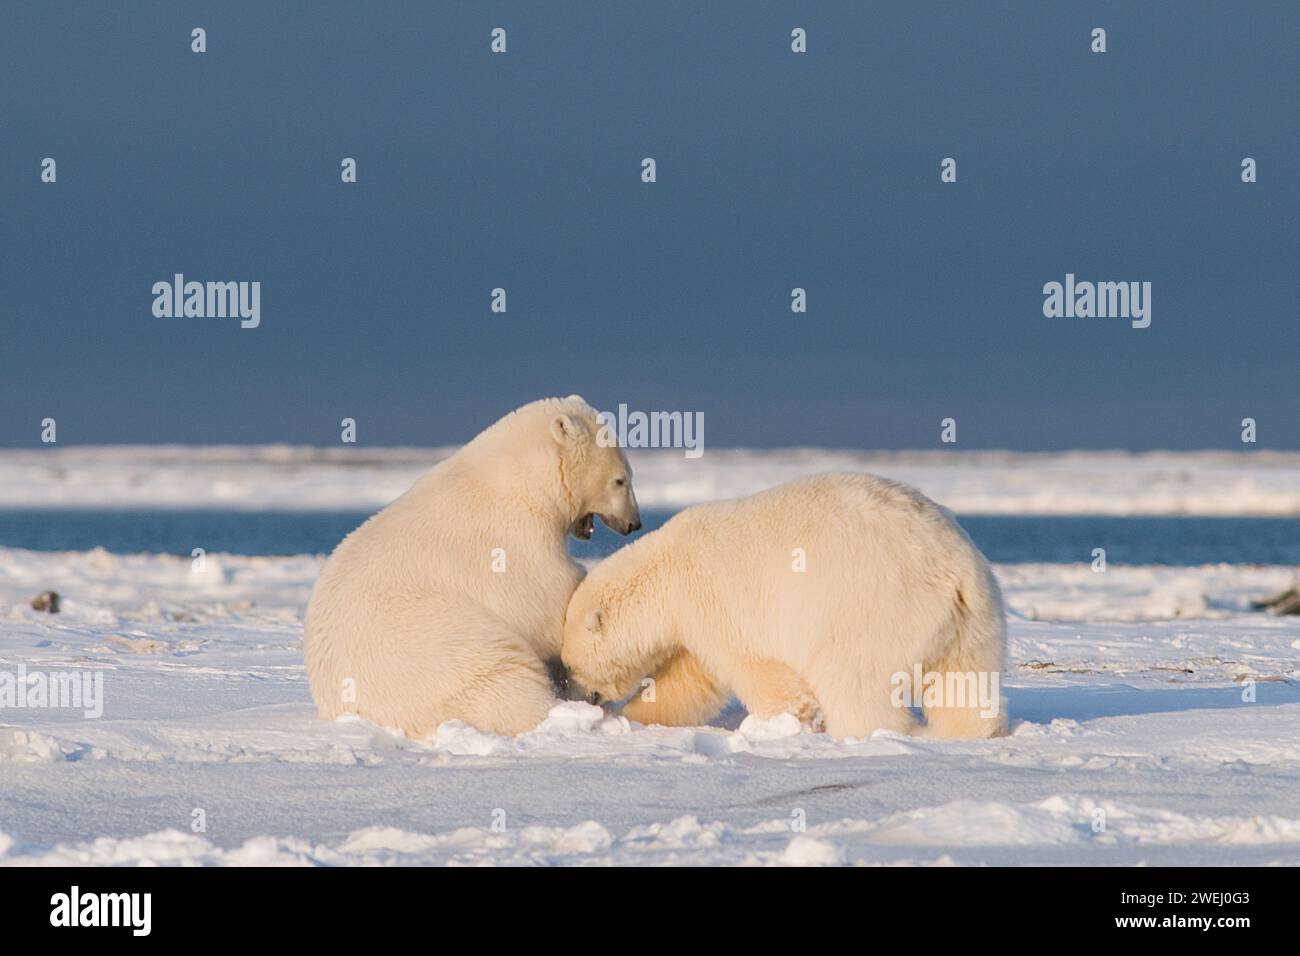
634 526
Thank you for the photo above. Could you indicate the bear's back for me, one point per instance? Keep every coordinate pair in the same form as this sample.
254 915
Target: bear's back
835 515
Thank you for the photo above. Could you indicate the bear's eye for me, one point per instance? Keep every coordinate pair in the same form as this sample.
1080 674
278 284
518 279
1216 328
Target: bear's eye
620 482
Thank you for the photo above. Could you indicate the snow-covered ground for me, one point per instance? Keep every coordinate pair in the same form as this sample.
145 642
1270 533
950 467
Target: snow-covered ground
294 477
1156 719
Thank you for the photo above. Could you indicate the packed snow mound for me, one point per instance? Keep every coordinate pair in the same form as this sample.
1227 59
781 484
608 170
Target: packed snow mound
576 717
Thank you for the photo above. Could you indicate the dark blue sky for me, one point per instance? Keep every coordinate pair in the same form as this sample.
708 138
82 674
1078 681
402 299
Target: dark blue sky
775 171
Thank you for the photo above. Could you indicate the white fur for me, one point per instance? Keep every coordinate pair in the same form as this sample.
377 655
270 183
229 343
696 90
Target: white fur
410 625
711 605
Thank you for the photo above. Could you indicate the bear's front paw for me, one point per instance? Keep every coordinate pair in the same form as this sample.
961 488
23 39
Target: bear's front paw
809 713
816 721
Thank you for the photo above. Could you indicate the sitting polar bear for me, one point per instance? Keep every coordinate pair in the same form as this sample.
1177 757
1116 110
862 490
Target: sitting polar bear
810 598
449 602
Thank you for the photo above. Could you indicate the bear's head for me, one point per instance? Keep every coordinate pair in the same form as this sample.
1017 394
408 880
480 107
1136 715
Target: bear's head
615 629
596 477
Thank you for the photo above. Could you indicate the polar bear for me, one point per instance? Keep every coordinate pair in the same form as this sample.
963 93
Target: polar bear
449 603
825 597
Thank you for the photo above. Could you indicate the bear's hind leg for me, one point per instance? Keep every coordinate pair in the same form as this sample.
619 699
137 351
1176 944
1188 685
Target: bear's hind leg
971 704
506 691
514 701
857 705
685 695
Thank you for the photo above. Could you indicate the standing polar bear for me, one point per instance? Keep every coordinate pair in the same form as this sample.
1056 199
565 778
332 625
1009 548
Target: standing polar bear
821 598
449 602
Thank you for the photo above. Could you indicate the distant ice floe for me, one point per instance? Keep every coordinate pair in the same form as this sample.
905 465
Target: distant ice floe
271 477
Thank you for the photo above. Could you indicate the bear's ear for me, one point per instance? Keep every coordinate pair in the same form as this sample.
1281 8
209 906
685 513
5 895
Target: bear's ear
595 621
566 429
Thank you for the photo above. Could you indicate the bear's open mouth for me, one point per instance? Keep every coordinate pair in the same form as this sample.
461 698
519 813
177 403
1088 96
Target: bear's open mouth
584 526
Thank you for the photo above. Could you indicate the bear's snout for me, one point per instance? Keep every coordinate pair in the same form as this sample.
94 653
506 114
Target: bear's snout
622 527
